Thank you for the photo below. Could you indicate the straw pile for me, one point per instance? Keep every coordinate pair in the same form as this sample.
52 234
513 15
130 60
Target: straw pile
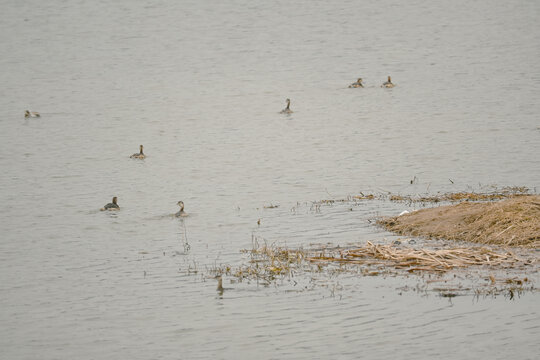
421 259
510 222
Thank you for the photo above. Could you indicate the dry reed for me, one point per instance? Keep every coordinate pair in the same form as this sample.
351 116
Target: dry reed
270 262
422 259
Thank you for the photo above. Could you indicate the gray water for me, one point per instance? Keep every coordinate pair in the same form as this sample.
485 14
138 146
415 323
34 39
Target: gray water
200 84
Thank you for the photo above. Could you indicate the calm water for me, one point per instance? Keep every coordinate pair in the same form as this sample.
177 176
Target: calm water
200 84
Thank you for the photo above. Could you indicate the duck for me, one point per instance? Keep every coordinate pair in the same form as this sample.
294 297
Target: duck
287 110
388 84
181 213
31 114
112 205
357 84
139 155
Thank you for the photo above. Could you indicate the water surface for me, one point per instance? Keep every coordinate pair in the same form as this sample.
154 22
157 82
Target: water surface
200 84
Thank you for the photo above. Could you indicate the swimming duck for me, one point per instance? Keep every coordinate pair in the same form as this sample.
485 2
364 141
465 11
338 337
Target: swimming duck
111 206
181 213
31 114
139 155
388 84
357 84
287 110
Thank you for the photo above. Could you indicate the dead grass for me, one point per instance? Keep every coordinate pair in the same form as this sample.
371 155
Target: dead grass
274 265
422 259
270 262
510 222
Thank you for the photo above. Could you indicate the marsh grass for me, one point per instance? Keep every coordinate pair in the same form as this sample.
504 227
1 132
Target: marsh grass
271 264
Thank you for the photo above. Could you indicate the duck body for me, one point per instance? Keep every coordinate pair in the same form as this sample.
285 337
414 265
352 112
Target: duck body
357 84
139 155
31 114
181 213
112 205
287 110
388 84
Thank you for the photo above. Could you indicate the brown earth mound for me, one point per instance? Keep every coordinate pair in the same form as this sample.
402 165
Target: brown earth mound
509 222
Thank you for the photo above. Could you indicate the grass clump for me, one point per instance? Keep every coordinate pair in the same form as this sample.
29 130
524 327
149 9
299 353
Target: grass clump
511 222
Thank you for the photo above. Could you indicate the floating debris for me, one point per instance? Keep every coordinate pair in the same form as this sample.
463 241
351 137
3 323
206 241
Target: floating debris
454 197
220 288
28 113
361 196
493 195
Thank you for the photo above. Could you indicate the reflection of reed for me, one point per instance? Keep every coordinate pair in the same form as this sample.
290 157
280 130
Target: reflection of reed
183 234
